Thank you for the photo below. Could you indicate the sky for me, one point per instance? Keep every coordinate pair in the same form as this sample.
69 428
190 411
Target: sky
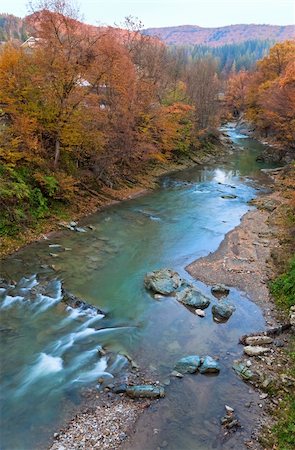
161 13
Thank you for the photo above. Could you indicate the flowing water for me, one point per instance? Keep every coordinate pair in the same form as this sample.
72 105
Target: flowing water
50 351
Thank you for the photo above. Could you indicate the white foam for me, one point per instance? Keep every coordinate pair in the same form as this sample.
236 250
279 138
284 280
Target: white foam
98 371
10 301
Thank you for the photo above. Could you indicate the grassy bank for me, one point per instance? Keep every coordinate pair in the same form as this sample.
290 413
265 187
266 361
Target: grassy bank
282 289
39 214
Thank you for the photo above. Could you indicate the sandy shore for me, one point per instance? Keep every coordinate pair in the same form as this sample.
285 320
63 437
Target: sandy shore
243 259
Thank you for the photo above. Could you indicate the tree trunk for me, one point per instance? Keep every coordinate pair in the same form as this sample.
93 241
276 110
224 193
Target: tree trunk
57 153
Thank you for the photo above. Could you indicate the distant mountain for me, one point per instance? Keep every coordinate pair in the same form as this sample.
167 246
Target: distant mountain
12 27
215 37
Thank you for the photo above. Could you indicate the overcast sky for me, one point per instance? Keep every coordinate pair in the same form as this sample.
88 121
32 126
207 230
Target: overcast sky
159 13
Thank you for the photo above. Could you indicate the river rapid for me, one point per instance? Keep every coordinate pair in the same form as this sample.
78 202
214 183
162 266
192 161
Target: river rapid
50 351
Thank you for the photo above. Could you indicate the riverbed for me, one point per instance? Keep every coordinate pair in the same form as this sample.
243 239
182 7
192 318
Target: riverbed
49 352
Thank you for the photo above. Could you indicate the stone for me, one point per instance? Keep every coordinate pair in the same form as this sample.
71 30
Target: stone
222 311
200 313
243 371
73 224
188 364
176 374
256 350
292 315
229 196
164 281
190 296
220 290
80 230
145 391
258 340
120 388
75 302
209 365
229 409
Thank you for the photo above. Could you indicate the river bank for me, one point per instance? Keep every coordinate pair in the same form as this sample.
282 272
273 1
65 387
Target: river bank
88 201
249 258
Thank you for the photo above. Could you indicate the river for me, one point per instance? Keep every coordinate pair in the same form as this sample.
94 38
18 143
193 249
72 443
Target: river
50 351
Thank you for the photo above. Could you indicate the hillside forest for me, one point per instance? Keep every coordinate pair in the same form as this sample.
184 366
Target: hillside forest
83 109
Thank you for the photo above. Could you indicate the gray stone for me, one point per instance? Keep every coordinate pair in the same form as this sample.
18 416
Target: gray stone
220 290
188 364
190 296
209 365
243 371
164 281
229 196
256 350
258 340
145 391
80 230
176 374
222 311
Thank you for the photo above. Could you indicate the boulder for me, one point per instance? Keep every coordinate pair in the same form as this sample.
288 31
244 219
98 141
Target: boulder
190 296
220 290
255 350
145 391
209 365
222 311
258 340
188 364
164 281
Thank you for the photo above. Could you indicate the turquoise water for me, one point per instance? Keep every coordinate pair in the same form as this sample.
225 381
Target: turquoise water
49 352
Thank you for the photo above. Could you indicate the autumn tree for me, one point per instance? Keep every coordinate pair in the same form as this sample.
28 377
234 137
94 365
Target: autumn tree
202 88
270 97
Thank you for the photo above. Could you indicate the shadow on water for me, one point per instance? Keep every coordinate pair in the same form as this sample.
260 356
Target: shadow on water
49 351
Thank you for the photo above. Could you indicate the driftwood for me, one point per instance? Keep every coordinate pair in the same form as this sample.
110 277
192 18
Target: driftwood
75 302
275 331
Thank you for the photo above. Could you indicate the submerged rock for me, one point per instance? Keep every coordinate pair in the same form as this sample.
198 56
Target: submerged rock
75 302
188 364
164 281
145 391
190 296
255 350
229 196
222 311
258 340
220 290
209 365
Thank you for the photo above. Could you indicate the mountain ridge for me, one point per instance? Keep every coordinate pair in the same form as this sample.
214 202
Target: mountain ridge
217 36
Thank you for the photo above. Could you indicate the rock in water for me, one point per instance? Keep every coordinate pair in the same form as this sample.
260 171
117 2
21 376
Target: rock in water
229 196
222 311
255 350
188 364
145 391
258 340
75 302
200 312
190 296
220 290
209 365
164 281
